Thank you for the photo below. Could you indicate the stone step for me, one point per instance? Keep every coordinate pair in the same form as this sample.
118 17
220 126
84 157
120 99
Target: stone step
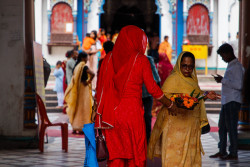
51 103
49 97
213 110
49 91
213 104
53 110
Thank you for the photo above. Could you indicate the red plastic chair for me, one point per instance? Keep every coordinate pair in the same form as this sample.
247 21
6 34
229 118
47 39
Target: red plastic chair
44 123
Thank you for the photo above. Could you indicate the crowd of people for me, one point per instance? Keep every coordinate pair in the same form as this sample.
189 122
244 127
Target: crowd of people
116 87
76 78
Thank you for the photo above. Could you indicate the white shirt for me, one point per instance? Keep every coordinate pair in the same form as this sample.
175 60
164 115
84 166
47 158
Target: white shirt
232 82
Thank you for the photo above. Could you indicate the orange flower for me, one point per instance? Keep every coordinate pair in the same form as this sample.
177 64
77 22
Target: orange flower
188 103
172 99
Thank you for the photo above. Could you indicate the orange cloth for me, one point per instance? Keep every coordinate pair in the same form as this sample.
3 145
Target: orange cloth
165 47
87 42
114 37
103 39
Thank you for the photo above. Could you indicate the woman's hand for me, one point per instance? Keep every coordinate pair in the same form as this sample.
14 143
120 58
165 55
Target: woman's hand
93 115
173 110
171 106
212 95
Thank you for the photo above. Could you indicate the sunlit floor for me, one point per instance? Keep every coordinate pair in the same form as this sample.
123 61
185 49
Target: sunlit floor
54 156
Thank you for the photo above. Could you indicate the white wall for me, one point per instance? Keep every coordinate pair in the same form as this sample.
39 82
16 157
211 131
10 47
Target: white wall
57 52
166 22
38 21
93 17
12 58
44 30
223 7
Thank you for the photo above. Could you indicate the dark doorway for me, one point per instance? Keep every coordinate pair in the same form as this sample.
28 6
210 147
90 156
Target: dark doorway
119 13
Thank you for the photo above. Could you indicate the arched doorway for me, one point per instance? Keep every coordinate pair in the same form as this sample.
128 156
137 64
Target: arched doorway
118 14
61 16
198 25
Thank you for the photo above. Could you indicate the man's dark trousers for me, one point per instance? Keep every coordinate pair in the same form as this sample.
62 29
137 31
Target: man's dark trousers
228 123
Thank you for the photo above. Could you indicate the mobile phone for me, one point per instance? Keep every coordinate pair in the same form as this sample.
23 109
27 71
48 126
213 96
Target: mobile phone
214 75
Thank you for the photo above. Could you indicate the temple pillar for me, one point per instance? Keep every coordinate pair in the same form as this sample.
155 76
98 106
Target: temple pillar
18 128
244 53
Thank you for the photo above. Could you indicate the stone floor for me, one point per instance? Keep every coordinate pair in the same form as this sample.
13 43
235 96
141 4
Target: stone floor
54 156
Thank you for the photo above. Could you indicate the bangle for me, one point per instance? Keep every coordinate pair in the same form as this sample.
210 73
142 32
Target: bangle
171 105
206 93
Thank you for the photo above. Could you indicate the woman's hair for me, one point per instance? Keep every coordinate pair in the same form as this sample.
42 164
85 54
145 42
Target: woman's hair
95 33
188 54
68 54
81 56
59 63
108 46
246 87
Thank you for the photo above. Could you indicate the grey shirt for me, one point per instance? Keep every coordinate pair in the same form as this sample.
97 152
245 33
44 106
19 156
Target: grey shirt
232 82
69 67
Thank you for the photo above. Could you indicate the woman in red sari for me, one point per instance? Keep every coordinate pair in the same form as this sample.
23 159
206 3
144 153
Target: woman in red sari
164 67
119 98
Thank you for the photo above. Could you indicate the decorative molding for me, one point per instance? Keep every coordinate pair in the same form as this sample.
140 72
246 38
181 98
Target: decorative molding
69 2
87 6
172 6
100 6
206 3
159 7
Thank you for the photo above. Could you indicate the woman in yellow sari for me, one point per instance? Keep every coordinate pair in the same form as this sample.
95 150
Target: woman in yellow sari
176 139
78 95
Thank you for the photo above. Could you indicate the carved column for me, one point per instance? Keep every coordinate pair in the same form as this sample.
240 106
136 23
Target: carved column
75 27
29 95
244 54
185 15
49 25
211 28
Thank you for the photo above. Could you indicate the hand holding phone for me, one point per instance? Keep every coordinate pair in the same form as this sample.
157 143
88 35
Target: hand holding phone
217 78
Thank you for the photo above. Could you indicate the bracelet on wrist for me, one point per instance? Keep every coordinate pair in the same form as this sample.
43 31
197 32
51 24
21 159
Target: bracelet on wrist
171 105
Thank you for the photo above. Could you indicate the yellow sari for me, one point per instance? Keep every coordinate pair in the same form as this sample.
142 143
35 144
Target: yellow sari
176 139
165 47
78 98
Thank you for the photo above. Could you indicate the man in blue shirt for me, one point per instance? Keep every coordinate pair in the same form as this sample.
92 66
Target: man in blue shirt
231 101
147 99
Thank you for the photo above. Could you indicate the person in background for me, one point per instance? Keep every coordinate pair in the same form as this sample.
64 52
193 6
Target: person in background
93 59
231 99
87 42
153 47
64 63
58 73
78 43
108 46
114 37
102 38
70 65
166 48
147 99
108 37
78 96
